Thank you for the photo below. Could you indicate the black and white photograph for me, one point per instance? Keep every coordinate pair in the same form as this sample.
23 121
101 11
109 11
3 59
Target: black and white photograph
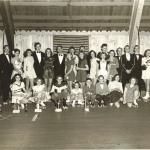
74 74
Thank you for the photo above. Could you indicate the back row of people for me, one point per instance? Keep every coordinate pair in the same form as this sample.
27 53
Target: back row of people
73 67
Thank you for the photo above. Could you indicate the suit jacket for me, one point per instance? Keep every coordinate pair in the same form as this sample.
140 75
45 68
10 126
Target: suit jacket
59 69
5 66
39 66
137 70
119 68
127 65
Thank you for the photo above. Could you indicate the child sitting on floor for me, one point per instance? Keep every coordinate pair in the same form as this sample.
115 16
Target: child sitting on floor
19 94
131 93
40 95
116 91
76 95
89 92
102 92
59 94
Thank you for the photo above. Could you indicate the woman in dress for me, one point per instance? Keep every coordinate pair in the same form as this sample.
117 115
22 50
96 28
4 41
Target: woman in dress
146 72
113 64
69 70
17 63
82 69
93 66
131 93
103 66
29 72
48 69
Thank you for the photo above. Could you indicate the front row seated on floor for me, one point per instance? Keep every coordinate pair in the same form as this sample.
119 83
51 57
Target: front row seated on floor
111 94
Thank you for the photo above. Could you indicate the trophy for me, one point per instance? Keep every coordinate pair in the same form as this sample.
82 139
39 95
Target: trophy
58 109
86 108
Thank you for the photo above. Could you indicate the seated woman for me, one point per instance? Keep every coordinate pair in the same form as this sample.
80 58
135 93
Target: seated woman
116 91
102 92
59 94
19 94
40 95
89 92
76 95
131 93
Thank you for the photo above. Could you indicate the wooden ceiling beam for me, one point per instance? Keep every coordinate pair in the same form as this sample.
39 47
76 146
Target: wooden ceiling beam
83 17
135 22
72 3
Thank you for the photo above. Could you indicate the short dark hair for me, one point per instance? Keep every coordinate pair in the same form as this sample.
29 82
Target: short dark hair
104 44
125 47
77 82
37 43
38 78
16 50
118 49
5 46
58 47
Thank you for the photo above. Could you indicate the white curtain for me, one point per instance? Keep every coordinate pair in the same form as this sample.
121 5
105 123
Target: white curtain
114 39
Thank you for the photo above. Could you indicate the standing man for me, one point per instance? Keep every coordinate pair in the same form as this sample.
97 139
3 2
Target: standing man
59 63
127 65
103 50
38 60
5 73
137 70
119 54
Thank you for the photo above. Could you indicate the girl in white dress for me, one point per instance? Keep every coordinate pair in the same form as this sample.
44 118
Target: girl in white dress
39 94
76 95
17 63
93 67
29 72
19 94
103 66
146 72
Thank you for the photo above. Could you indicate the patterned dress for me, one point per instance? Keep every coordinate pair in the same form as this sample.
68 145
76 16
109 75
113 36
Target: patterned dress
48 68
18 96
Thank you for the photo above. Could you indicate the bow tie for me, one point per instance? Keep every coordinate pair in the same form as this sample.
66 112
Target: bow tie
38 52
60 54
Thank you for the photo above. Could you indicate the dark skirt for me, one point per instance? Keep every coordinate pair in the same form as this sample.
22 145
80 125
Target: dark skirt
48 74
115 96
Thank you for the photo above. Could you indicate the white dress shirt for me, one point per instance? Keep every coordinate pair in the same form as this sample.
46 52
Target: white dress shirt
60 57
38 54
7 56
128 56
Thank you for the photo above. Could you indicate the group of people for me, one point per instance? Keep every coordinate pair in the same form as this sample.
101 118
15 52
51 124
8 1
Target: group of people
86 79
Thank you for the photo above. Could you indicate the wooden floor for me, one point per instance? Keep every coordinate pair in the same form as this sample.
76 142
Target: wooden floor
76 129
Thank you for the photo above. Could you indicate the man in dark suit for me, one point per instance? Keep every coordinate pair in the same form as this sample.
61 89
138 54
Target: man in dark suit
38 60
103 50
5 73
137 70
127 65
119 54
59 62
